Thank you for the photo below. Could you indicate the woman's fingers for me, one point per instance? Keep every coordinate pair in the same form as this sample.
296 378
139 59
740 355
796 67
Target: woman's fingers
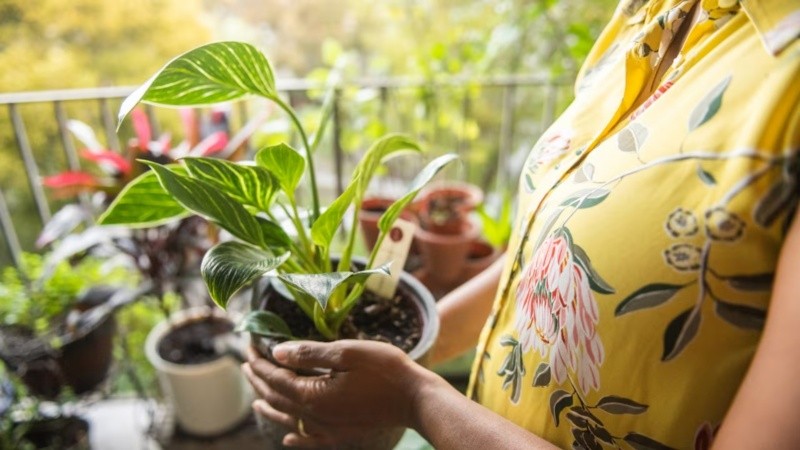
311 355
275 398
263 408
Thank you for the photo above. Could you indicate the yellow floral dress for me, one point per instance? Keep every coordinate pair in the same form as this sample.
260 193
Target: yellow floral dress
640 268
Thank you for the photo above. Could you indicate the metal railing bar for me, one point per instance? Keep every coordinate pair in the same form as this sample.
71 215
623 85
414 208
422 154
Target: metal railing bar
294 85
66 141
28 160
108 125
507 130
9 233
69 151
338 154
155 132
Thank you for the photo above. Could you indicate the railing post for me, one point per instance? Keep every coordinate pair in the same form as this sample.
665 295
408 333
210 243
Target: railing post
108 124
338 154
24 147
69 151
9 234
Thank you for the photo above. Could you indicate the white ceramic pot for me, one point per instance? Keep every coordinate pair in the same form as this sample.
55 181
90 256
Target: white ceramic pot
209 398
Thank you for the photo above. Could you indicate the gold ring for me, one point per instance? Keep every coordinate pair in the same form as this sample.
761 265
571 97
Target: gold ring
301 428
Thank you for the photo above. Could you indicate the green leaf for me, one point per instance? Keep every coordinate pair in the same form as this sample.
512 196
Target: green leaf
586 198
680 331
204 199
144 203
320 286
230 266
323 230
265 323
709 106
377 153
706 176
251 185
596 282
642 442
649 296
419 182
542 375
285 164
213 73
752 283
559 400
274 234
741 316
619 405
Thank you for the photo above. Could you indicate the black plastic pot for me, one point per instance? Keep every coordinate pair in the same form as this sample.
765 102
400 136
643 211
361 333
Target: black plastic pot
82 359
64 433
81 362
409 287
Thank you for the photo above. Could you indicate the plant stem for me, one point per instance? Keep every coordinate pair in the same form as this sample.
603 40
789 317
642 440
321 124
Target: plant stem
309 157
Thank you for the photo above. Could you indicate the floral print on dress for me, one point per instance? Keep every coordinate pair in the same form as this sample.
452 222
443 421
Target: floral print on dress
557 313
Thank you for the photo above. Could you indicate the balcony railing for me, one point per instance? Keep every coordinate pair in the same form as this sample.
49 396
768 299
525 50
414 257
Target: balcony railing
519 108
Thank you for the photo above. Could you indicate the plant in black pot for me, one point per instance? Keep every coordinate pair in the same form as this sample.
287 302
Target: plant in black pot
57 326
313 293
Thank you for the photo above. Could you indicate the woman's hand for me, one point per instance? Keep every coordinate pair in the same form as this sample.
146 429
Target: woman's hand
369 384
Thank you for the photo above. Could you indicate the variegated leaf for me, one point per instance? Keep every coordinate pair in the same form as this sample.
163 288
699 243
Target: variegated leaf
143 202
230 266
213 73
251 185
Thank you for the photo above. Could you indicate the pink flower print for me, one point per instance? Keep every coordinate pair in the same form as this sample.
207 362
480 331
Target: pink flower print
551 146
557 314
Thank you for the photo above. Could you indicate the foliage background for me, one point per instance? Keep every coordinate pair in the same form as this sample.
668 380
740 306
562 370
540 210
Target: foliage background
56 44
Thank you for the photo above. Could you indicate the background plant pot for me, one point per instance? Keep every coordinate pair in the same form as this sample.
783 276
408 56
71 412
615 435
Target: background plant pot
81 362
443 255
63 433
208 398
379 439
466 196
371 211
480 256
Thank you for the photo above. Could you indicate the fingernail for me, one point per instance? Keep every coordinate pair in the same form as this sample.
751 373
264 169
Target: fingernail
282 350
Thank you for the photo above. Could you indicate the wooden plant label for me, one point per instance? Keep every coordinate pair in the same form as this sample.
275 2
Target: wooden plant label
394 249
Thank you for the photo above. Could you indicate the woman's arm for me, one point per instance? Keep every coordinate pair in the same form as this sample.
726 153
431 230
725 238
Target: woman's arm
373 384
463 312
764 413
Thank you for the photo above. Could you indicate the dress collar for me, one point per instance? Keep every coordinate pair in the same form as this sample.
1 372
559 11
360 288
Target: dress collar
777 22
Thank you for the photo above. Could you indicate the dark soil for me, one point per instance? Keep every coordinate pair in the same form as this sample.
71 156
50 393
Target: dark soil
60 432
193 342
396 321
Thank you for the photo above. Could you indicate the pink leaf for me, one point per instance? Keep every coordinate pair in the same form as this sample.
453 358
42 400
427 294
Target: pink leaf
214 143
70 179
141 125
110 162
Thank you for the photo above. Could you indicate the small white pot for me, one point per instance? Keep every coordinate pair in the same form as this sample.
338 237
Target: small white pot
208 398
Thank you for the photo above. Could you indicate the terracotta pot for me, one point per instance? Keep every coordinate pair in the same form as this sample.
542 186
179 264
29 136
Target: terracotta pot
371 211
209 398
442 207
444 255
378 439
481 255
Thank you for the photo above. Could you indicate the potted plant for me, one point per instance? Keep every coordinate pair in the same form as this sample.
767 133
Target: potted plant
57 326
167 254
313 294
